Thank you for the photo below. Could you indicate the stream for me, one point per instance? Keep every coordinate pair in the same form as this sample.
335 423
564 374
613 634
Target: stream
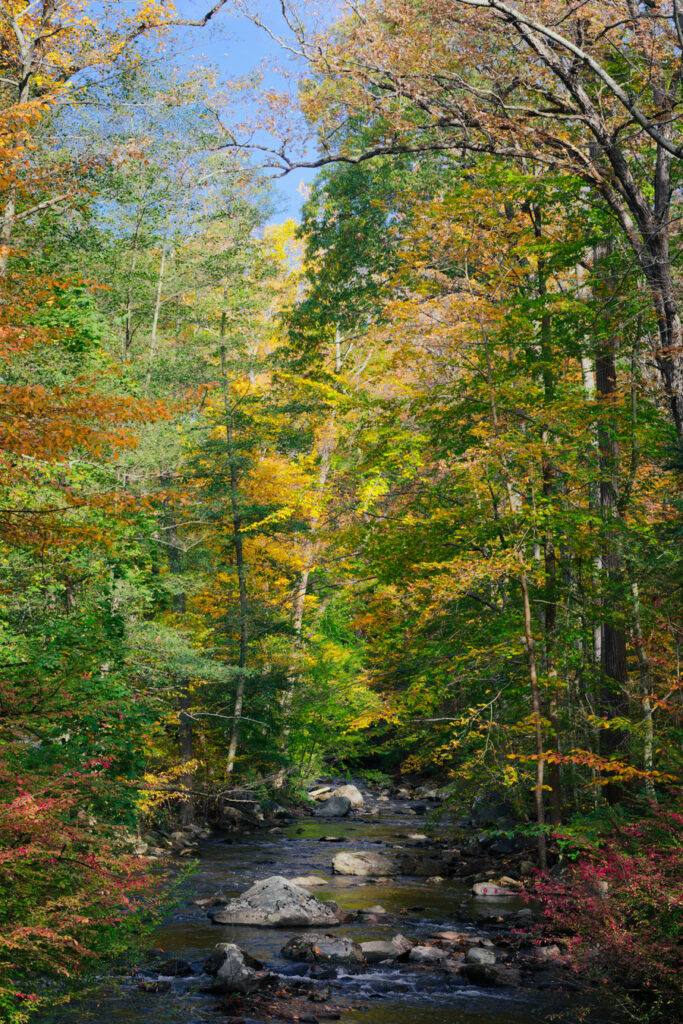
377 994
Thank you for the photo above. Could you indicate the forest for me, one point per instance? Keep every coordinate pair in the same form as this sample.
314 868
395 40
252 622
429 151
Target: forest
388 490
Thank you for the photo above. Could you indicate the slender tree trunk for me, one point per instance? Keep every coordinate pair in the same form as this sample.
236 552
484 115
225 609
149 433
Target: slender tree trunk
538 731
645 690
549 488
157 311
529 644
127 338
613 639
311 548
238 542
185 725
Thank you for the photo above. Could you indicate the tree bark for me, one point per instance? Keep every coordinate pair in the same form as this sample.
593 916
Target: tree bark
326 450
186 812
238 543
613 645
538 731
157 311
550 557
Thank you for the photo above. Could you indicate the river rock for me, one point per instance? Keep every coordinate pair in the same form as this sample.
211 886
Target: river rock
546 954
276 902
318 948
505 882
401 944
377 952
233 970
175 968
309 881
491 975
334 807
352 794
476 955
427 955
364 863
462 939
321 793
422 865
490 889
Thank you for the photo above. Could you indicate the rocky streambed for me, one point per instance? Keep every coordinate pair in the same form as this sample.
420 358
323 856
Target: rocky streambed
362 917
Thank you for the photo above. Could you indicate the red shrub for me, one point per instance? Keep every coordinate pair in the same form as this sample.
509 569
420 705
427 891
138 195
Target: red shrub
619 914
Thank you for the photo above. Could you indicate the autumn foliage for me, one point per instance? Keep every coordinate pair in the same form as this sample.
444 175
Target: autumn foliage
395 489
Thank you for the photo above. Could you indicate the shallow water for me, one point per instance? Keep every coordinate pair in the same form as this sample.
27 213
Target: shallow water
384 995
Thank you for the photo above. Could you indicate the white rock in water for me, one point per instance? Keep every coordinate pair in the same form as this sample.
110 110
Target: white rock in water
317 948
427 955
401 944
364 863
352 794
376 952
276 902
485 957
309 881
489 889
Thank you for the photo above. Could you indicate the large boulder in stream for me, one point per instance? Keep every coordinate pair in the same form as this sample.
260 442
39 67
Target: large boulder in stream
364 863
315 948
233 969
352 794
335 807
276 902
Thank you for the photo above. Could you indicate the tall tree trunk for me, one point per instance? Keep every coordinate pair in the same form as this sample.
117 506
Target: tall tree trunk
238 543
538 731
127 337
310 550
185 723
549 488
528 640
157 311
613 646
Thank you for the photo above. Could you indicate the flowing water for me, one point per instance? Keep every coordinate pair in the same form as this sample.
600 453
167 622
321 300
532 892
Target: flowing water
374 995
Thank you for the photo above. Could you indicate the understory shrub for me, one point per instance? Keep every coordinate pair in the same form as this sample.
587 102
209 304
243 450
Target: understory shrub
618 911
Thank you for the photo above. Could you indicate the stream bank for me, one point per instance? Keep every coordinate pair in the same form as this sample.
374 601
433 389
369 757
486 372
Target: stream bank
172 986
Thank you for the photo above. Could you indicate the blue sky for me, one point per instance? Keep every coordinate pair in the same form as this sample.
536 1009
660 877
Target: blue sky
236 46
